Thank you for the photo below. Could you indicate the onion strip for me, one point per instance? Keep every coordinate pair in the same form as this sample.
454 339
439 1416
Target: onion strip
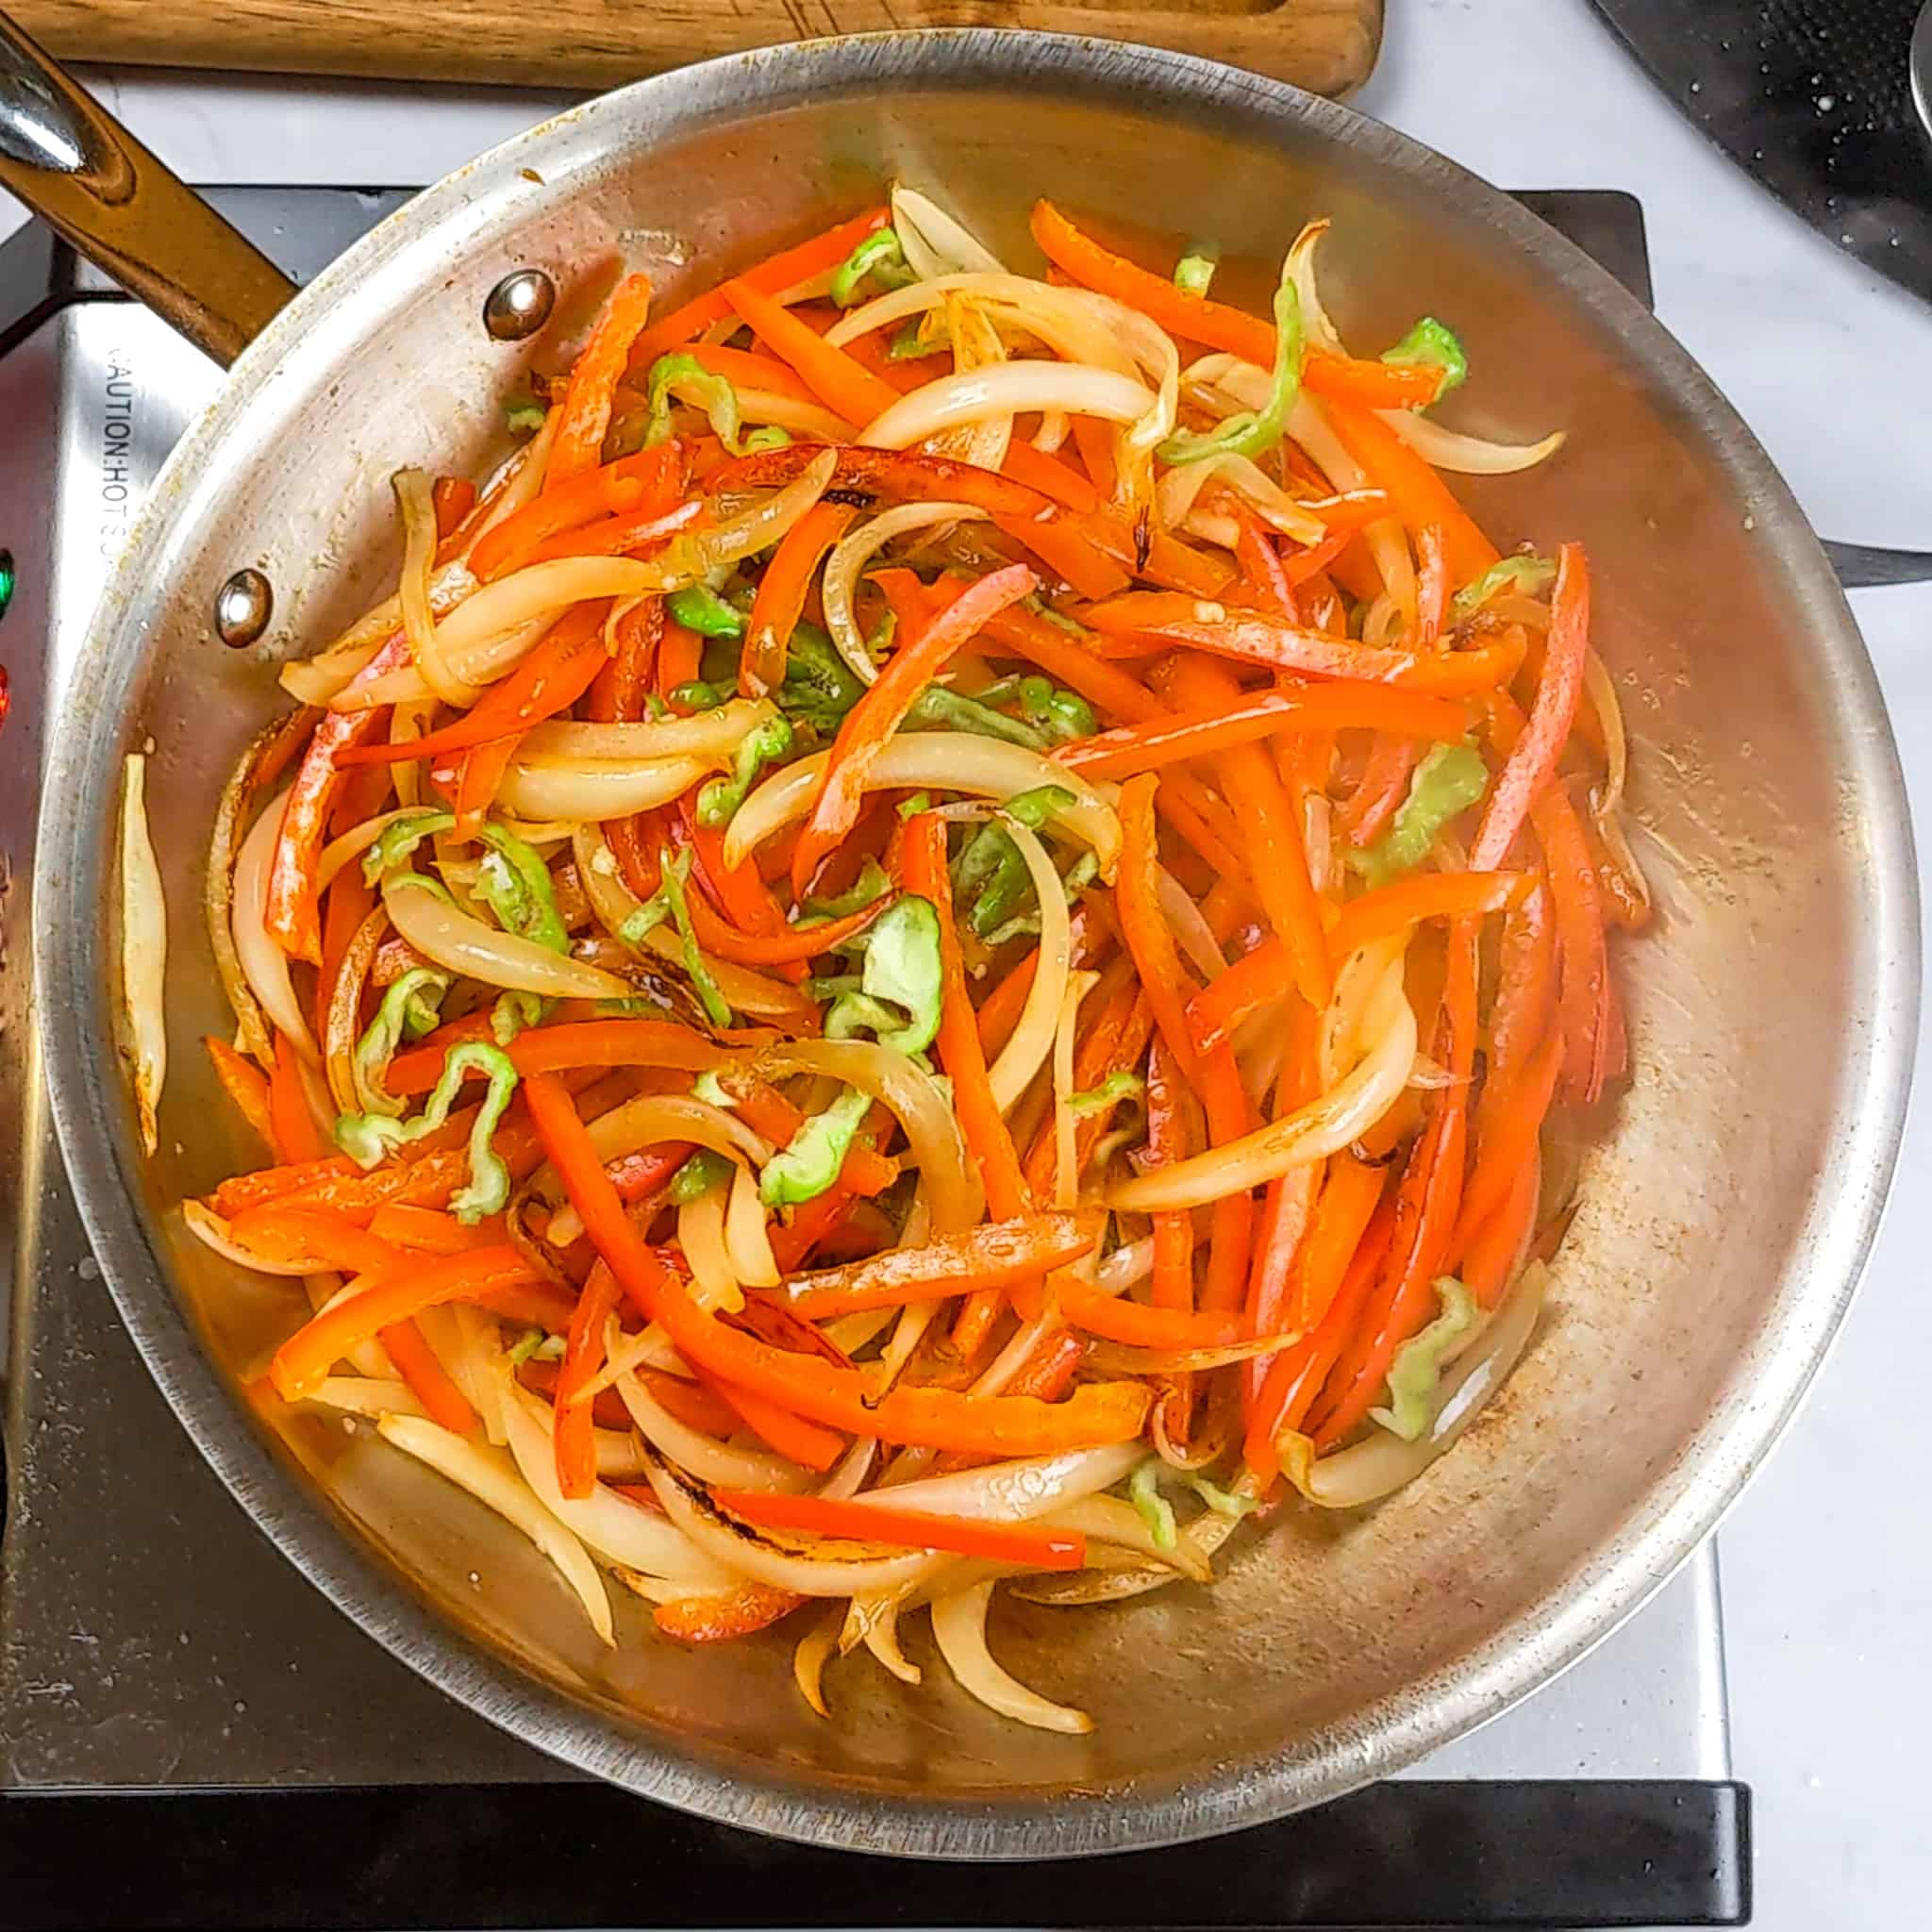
959 1623
143 953
264 965
491 1478
1032 1038
854 552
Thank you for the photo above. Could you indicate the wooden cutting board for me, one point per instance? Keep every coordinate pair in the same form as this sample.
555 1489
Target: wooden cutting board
1328 46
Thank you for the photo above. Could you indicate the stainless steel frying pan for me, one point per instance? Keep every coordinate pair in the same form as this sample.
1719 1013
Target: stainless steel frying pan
1726 1209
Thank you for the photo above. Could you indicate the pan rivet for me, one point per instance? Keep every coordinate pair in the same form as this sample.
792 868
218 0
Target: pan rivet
519 304
243 608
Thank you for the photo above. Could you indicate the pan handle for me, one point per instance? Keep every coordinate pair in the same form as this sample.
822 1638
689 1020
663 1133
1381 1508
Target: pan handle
88 180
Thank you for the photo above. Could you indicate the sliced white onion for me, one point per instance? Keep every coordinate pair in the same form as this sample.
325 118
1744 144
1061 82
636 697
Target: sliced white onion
1361 976
1324 1126
701 1235
370 1395
1309 424
1066 1180
708 1459
579 791
851 1469
949 1182
318 679
144 952
452 939
1014 1492
1180 486
1108 1519
1317 330
212 1231
935 242
491 1478
264 965
959 1623
854 552
756 1555
812 421
1468 455
1190 925
1008 389
808 1662
747 1241
952 760
653 1118
1032 1038
882 1639
1381 1463
713 734
426 647
617 1530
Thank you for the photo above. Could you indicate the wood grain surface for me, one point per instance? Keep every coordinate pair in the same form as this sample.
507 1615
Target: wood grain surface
1326 45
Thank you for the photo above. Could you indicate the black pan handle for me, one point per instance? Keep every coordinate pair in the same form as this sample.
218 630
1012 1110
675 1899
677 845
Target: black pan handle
86 177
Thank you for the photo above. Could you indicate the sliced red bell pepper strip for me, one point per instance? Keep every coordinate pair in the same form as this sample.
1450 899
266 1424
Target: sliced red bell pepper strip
292 914
774 276
872 720
995 1255
1160 620
1094 1414
296 1137
1419 497
1532 761
844 384
307 1355
587 403
644 485
583 1356
858 1520
452 498
245 1084
781 593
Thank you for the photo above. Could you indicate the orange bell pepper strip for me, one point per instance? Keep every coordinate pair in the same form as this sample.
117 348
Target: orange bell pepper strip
429 1381
1426 1202
1115 1042
646 483
1137 1324
1094 1414
1050 476
1204 731
747 369
302 1360
995 1255
427 1228
1165 987
775 275
1277 859
741 1612
779 600
452 498
865 730
1515 1122
1069 550
1490 1259
346 902
767 1111
1532 760
1584 997
1159 620
788 946
1295 1376
573 1044
1351 1192
999 1012
791 1436
923 860
296 1137
1432 586
856 1518
245 1084
1380 795
558 672
1066 659
579 445
844 384
292 914
1168 1141
1418 497
1369 385
1169 562
583 1356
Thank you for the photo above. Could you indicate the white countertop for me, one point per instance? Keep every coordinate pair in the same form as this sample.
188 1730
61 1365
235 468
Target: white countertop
1828 1573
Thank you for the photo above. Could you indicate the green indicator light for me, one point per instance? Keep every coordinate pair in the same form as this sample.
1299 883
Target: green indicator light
6 580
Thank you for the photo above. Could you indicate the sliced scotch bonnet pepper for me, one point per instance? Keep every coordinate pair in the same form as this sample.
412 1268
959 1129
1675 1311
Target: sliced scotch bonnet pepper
810 1163
1447 782
683 378
1417 1364
902 982
408 1009
369 1138
1432 345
